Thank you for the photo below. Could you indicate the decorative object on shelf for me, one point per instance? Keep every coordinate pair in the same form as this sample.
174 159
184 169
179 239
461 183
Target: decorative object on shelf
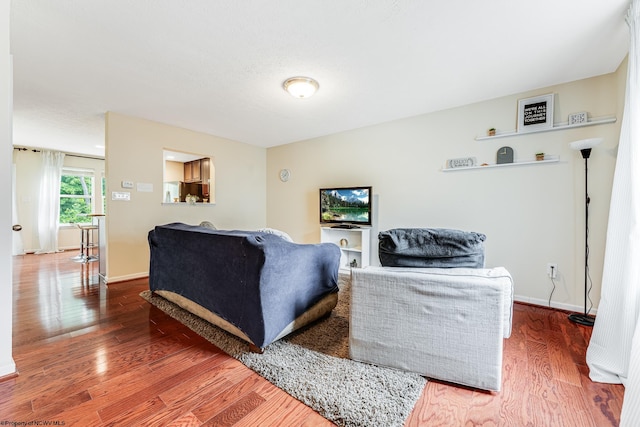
578 118
504 155
344 243
585 146
354 263
191 199
491 132
462 162
539 156
535 113
285 174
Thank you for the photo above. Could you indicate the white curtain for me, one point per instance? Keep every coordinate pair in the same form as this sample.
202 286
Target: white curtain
49 201
613 355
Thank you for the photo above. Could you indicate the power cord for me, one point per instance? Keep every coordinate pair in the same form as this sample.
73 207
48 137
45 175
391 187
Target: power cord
589 290
586 265
553 282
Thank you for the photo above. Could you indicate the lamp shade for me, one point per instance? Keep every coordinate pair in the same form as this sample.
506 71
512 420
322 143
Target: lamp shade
585 143
301 87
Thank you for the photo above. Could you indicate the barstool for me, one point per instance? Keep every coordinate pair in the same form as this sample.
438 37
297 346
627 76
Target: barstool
86 244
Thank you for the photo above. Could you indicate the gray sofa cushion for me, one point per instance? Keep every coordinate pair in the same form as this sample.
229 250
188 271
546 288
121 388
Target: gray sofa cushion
431 247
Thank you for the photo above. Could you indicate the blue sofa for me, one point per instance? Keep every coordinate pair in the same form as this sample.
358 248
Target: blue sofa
255 285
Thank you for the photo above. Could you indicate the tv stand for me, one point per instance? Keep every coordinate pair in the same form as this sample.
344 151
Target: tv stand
354 243
347 226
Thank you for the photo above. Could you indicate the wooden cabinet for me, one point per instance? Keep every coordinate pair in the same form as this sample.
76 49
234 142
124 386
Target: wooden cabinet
188 177
195 171
192 172
205 170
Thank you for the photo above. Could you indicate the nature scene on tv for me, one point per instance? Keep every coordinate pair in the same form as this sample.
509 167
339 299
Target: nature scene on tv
348 205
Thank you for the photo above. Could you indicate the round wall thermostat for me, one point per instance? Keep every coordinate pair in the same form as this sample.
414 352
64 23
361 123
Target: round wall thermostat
285 174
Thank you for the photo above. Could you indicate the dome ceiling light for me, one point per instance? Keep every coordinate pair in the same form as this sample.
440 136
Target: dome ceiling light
300 87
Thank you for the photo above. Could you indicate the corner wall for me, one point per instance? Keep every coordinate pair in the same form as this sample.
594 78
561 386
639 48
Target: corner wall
532 215
7 365
134 153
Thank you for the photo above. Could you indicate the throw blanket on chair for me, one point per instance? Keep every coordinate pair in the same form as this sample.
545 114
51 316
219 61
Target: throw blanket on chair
431 247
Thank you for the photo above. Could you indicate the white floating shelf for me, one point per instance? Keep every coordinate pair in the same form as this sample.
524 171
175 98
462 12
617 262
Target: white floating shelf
557 126
547 159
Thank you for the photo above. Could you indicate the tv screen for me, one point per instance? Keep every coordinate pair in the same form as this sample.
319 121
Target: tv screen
345 205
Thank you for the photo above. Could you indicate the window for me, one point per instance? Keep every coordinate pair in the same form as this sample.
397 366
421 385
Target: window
76 196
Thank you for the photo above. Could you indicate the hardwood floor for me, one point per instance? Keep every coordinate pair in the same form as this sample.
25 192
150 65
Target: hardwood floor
92 355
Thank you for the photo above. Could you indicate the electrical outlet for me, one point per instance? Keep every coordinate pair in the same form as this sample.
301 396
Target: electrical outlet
552 270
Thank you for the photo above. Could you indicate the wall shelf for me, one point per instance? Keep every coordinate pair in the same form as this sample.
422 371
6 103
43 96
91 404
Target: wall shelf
548 159
557 126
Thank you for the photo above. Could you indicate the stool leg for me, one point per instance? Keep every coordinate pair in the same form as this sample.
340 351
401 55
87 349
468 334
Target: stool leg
91 245
81 257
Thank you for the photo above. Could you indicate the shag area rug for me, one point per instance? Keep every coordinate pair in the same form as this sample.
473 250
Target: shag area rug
313 365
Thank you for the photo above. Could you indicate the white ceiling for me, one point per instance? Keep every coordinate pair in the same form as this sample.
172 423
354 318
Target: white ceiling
217 66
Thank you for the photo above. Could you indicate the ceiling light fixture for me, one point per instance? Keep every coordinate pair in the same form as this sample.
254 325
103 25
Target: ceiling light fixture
300 87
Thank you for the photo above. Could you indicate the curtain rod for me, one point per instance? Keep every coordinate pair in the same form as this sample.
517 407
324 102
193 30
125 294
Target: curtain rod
66 154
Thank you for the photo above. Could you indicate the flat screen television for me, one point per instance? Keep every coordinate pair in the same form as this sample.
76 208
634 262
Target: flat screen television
345 206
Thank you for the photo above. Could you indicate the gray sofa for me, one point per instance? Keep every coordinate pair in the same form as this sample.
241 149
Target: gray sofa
443 323
255 285
431 248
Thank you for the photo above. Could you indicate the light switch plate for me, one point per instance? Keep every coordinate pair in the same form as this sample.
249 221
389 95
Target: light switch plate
144 187
121 195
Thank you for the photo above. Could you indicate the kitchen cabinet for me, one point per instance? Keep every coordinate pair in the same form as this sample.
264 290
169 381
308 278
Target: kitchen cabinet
192 171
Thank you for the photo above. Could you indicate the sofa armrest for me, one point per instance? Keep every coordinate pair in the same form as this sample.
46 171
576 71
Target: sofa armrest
447 324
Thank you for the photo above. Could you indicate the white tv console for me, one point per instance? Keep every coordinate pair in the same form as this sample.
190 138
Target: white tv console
354 243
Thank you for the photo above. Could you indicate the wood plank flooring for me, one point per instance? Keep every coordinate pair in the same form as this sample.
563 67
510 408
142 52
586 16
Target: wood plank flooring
93 355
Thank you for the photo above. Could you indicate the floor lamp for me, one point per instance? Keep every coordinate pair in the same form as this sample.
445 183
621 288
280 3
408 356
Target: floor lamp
585 146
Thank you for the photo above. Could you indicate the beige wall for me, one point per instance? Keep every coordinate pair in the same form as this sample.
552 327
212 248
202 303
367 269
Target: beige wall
173 171
134 153
28 166
532 215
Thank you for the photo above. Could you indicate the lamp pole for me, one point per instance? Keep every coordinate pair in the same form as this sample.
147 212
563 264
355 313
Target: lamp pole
585 319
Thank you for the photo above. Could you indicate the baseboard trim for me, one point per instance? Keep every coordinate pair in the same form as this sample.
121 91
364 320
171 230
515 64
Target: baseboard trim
8 371
557 305
125 278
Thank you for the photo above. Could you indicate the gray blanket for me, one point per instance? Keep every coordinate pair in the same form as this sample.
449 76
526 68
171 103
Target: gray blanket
431 247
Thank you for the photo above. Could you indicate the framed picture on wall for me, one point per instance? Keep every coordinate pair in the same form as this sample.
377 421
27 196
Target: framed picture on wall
535 113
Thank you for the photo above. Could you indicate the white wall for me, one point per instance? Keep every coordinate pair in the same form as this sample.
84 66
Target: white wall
7 365
28 166
134 153
531 215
